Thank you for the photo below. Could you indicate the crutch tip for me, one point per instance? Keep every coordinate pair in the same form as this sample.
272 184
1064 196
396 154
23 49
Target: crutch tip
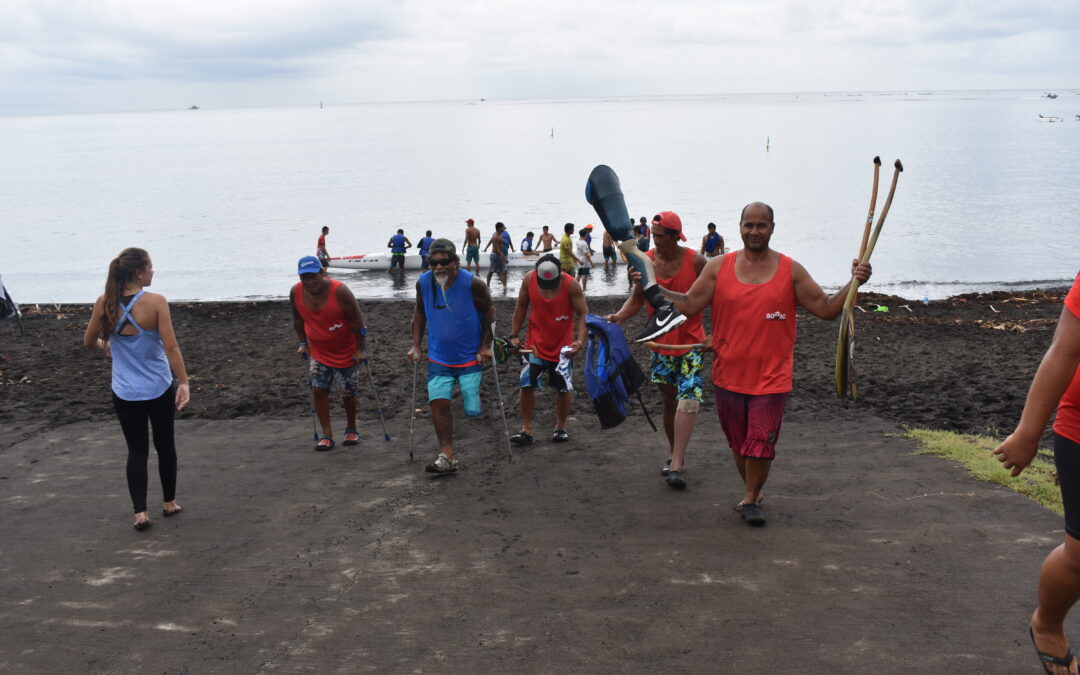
877 160
899 166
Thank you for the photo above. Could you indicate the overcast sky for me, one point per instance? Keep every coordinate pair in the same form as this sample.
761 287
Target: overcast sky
98 55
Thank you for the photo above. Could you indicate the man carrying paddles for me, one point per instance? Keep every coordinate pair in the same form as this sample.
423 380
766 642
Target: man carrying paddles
455 308
754 293
551 298
676 372
331 330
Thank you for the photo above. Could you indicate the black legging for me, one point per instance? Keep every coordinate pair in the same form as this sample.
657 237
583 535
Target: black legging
133 416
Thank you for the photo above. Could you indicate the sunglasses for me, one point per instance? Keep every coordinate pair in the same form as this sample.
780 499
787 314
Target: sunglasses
440 262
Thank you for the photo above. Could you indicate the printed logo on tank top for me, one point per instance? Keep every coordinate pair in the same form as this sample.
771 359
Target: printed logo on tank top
336 326
563 317
776 316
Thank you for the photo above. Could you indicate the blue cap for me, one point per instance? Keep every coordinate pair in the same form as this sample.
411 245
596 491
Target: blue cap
309 264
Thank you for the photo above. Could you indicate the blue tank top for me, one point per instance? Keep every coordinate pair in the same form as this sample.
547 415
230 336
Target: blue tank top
452 320
140 369
397 243
506 241
425 244
711 242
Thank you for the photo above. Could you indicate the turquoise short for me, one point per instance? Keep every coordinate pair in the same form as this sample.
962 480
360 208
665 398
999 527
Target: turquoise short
440 385
472 254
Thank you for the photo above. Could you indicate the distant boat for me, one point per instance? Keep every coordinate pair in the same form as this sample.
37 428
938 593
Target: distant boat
320 105
1049 94
194 107
1051 118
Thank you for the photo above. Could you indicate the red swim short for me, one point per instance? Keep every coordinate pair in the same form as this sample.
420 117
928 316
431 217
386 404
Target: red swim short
751 422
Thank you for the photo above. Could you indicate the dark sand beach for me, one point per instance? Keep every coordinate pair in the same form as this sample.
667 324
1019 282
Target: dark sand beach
573 558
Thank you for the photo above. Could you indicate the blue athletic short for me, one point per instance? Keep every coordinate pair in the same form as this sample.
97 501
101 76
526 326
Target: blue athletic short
472 254
322 377
440 385
682 372
496 262
559 373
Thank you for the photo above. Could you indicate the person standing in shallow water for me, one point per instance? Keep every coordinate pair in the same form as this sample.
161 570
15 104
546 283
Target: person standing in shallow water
1056 385
134 328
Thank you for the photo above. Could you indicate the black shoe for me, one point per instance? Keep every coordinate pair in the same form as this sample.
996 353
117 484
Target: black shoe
667 468
753 515
560 436
676 480
521 438
665 319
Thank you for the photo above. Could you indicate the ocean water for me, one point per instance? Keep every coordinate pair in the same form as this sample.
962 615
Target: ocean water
226 201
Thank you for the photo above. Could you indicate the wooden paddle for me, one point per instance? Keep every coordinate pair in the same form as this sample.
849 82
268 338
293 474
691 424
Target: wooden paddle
845 344
704 346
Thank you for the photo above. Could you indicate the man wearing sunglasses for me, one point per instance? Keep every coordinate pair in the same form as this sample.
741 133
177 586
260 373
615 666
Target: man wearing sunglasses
454 307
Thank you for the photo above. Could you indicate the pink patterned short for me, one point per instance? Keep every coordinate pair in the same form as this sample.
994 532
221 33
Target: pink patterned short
751 422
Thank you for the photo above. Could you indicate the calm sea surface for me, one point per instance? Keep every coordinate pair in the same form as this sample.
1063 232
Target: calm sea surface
227 200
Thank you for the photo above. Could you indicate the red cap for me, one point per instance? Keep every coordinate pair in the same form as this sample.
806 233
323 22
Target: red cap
469 221
669 220
589 226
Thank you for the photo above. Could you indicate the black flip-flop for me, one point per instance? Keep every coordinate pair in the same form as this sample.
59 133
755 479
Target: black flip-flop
175 511
143 524
560 436
753 515
1047 660
667 468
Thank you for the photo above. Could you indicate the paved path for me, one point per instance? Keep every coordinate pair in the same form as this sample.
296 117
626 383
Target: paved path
574 558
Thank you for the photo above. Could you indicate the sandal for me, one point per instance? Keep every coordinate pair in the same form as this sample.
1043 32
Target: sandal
352 437
325 443
1047 660
521 438
560 436
141 525
667 468
173 512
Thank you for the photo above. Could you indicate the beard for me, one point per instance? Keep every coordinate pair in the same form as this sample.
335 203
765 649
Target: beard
442 277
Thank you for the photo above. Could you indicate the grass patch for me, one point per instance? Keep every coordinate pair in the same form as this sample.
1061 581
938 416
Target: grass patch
1038 482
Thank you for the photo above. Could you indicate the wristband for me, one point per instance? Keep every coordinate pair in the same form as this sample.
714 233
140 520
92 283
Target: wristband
363 330
301 344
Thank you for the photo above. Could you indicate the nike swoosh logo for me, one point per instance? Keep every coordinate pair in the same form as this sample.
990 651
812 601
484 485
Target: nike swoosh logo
670 316
438 306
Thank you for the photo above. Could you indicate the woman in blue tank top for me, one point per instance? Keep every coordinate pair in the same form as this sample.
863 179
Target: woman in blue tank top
135 329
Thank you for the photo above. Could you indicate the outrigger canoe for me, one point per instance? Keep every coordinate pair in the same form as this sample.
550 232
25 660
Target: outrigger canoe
381 261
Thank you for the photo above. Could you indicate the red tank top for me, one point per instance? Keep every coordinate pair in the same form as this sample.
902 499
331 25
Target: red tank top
691 331
1067 423
329 334
753 330
551 322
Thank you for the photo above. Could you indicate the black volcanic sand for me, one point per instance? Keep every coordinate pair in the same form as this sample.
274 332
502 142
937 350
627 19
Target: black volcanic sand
573 558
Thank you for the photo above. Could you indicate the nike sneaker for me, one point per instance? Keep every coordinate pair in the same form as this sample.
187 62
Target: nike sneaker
665 318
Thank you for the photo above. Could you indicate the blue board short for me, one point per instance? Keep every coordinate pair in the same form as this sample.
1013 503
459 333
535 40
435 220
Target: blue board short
440 385
472 254
559 373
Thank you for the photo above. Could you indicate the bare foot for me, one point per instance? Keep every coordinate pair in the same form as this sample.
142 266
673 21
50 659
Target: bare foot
142 520
171 508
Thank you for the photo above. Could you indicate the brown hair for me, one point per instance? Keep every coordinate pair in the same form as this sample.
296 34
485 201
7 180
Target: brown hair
123 267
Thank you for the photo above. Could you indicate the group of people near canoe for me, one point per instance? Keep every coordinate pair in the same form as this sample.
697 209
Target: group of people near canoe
753 294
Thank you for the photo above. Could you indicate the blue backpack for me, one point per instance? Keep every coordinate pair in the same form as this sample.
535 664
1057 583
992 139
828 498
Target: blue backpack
612 375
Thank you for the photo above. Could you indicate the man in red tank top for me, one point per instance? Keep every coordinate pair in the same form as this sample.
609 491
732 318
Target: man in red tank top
753 293
676 371
551 298
330 329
